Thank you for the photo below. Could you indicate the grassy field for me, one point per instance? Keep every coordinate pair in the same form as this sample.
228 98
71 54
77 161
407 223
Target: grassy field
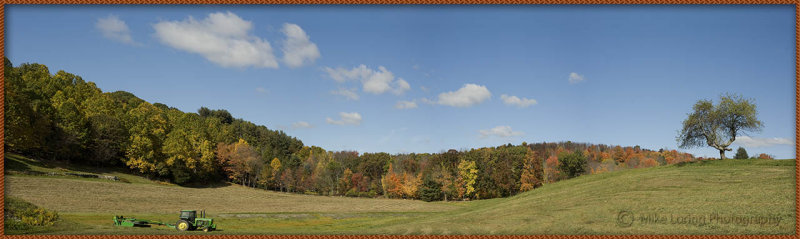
713 197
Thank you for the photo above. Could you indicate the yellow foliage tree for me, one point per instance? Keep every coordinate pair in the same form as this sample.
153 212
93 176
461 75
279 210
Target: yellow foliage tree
276 169
411 184
467 176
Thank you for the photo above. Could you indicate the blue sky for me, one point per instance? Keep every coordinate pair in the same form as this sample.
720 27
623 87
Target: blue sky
427 79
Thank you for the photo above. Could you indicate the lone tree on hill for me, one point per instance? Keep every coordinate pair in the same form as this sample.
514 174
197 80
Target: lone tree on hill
718 125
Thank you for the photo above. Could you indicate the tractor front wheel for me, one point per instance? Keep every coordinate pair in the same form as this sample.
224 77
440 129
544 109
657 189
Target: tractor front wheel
182 225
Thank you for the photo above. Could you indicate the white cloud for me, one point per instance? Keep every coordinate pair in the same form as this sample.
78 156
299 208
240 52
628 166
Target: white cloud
115 29
342 75
298 48
262 90
349 94
574 78
372 81
468 95
301 125
762 142
222 38
400 86
513 100
499 131
403 104
346 118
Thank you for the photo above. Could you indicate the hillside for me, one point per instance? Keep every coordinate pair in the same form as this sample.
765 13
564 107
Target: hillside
587 204
591 204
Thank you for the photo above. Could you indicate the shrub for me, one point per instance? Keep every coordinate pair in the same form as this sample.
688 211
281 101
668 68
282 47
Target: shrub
21 215
765 156
39 217
364 195
351 193
741 153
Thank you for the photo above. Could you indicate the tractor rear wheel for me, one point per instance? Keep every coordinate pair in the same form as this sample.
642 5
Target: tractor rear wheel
183 225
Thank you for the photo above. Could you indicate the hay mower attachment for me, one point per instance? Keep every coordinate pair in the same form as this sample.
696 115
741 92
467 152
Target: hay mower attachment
133 222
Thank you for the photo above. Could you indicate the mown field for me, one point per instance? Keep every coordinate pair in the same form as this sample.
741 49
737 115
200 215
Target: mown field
712 197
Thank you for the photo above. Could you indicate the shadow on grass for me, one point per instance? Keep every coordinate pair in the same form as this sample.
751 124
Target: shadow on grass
696 163
17 162
740 162
14 164
208 185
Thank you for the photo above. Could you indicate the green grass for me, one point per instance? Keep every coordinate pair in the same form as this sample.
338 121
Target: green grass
588 204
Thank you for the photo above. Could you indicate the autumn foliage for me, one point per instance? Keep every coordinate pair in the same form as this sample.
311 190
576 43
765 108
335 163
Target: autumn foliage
532 172
63 117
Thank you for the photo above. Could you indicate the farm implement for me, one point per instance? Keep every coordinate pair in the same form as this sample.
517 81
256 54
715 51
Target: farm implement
188 221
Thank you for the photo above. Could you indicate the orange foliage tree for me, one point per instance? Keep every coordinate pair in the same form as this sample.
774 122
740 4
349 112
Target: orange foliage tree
532 172
391 184
551 171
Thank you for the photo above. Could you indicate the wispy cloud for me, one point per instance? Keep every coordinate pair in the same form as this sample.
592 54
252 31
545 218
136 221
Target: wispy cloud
575 78
468 95
747 141
301 125
502 131
427 101
115 29
346 119
519 102
391 134
404 104
349 94
222 38
298 49
262 90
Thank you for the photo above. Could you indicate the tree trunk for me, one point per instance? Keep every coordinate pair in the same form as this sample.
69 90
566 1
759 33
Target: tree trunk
722 154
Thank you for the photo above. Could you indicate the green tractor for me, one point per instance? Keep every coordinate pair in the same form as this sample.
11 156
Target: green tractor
190 221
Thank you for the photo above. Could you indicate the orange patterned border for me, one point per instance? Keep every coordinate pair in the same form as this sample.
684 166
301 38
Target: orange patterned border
797 117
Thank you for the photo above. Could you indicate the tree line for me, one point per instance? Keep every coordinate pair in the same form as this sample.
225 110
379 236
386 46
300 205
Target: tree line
63 117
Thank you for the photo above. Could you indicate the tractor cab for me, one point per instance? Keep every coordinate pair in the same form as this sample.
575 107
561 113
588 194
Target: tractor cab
188 215
192 220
